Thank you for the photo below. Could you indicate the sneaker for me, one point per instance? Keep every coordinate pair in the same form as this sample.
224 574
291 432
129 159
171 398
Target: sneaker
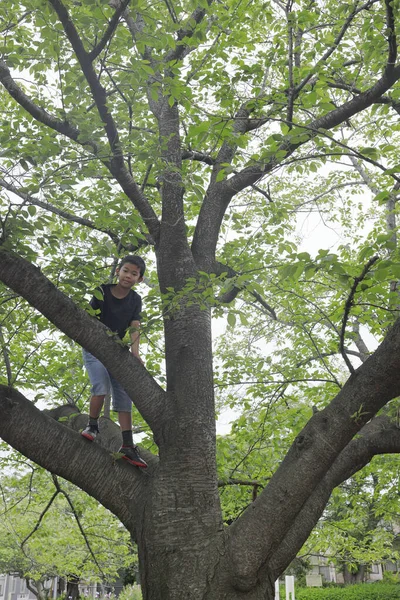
131 455
90 432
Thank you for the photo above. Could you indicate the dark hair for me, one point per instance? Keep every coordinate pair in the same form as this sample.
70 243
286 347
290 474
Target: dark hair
134 260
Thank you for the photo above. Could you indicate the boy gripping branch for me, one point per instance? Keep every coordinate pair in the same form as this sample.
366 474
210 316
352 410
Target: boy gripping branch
120 310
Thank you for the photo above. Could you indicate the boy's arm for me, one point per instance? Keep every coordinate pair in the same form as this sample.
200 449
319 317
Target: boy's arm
135 336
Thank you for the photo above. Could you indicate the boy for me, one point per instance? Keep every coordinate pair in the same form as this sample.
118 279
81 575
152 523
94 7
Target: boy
120 310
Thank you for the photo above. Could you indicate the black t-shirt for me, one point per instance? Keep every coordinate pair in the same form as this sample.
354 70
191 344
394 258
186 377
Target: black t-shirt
117 313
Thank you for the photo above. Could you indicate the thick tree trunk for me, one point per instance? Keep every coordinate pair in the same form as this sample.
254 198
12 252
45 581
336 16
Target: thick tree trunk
72 588
195 574
352 576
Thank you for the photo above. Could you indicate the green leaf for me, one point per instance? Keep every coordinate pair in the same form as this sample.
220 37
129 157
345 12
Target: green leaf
220 175
232 319
98 294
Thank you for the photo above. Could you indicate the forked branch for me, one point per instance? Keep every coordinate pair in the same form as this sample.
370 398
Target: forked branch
347 308
310 458
109 31
380 436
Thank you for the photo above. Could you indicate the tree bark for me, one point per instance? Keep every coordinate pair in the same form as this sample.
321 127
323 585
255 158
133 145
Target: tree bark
352 577
72 588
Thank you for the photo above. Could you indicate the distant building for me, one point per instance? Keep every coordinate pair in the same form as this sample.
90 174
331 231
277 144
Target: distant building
13 587
320 566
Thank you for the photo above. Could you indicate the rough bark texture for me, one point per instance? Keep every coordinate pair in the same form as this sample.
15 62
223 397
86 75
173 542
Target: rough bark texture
354 577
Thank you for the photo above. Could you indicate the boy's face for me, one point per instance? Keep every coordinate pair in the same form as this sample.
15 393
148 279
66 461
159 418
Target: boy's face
128 275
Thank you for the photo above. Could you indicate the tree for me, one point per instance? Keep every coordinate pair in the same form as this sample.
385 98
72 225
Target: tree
155 127
50 529
360 523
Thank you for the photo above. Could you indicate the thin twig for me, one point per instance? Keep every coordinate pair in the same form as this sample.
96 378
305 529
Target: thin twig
347 308
41 517
64 493
112 25
6 357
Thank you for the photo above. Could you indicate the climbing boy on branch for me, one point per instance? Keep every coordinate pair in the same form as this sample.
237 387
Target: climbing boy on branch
119 308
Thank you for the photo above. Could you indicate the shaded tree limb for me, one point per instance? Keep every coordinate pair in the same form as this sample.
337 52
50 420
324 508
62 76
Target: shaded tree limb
199 156
264 304
112 25
181 50
391 35
310 457
380 436
6 357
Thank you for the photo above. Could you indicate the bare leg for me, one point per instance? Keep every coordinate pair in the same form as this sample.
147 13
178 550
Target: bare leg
96 404
125 421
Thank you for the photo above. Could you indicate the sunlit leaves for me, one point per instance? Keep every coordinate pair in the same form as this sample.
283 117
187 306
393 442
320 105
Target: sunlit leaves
43 536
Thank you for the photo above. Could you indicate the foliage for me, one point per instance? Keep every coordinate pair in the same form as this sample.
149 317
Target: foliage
360 522
377 591
130 592
44 534
390 577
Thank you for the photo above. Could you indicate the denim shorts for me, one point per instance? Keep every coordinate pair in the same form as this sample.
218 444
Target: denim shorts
104 383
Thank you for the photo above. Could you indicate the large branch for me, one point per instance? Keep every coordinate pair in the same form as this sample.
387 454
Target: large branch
39 113
28 281
220 193
311 456
65 452
116 165
380 436
28 198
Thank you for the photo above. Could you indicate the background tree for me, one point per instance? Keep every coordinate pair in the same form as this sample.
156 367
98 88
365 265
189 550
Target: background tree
190 131
360 524
50 529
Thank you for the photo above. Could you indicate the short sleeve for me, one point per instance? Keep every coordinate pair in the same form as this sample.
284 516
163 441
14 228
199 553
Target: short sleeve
95 302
